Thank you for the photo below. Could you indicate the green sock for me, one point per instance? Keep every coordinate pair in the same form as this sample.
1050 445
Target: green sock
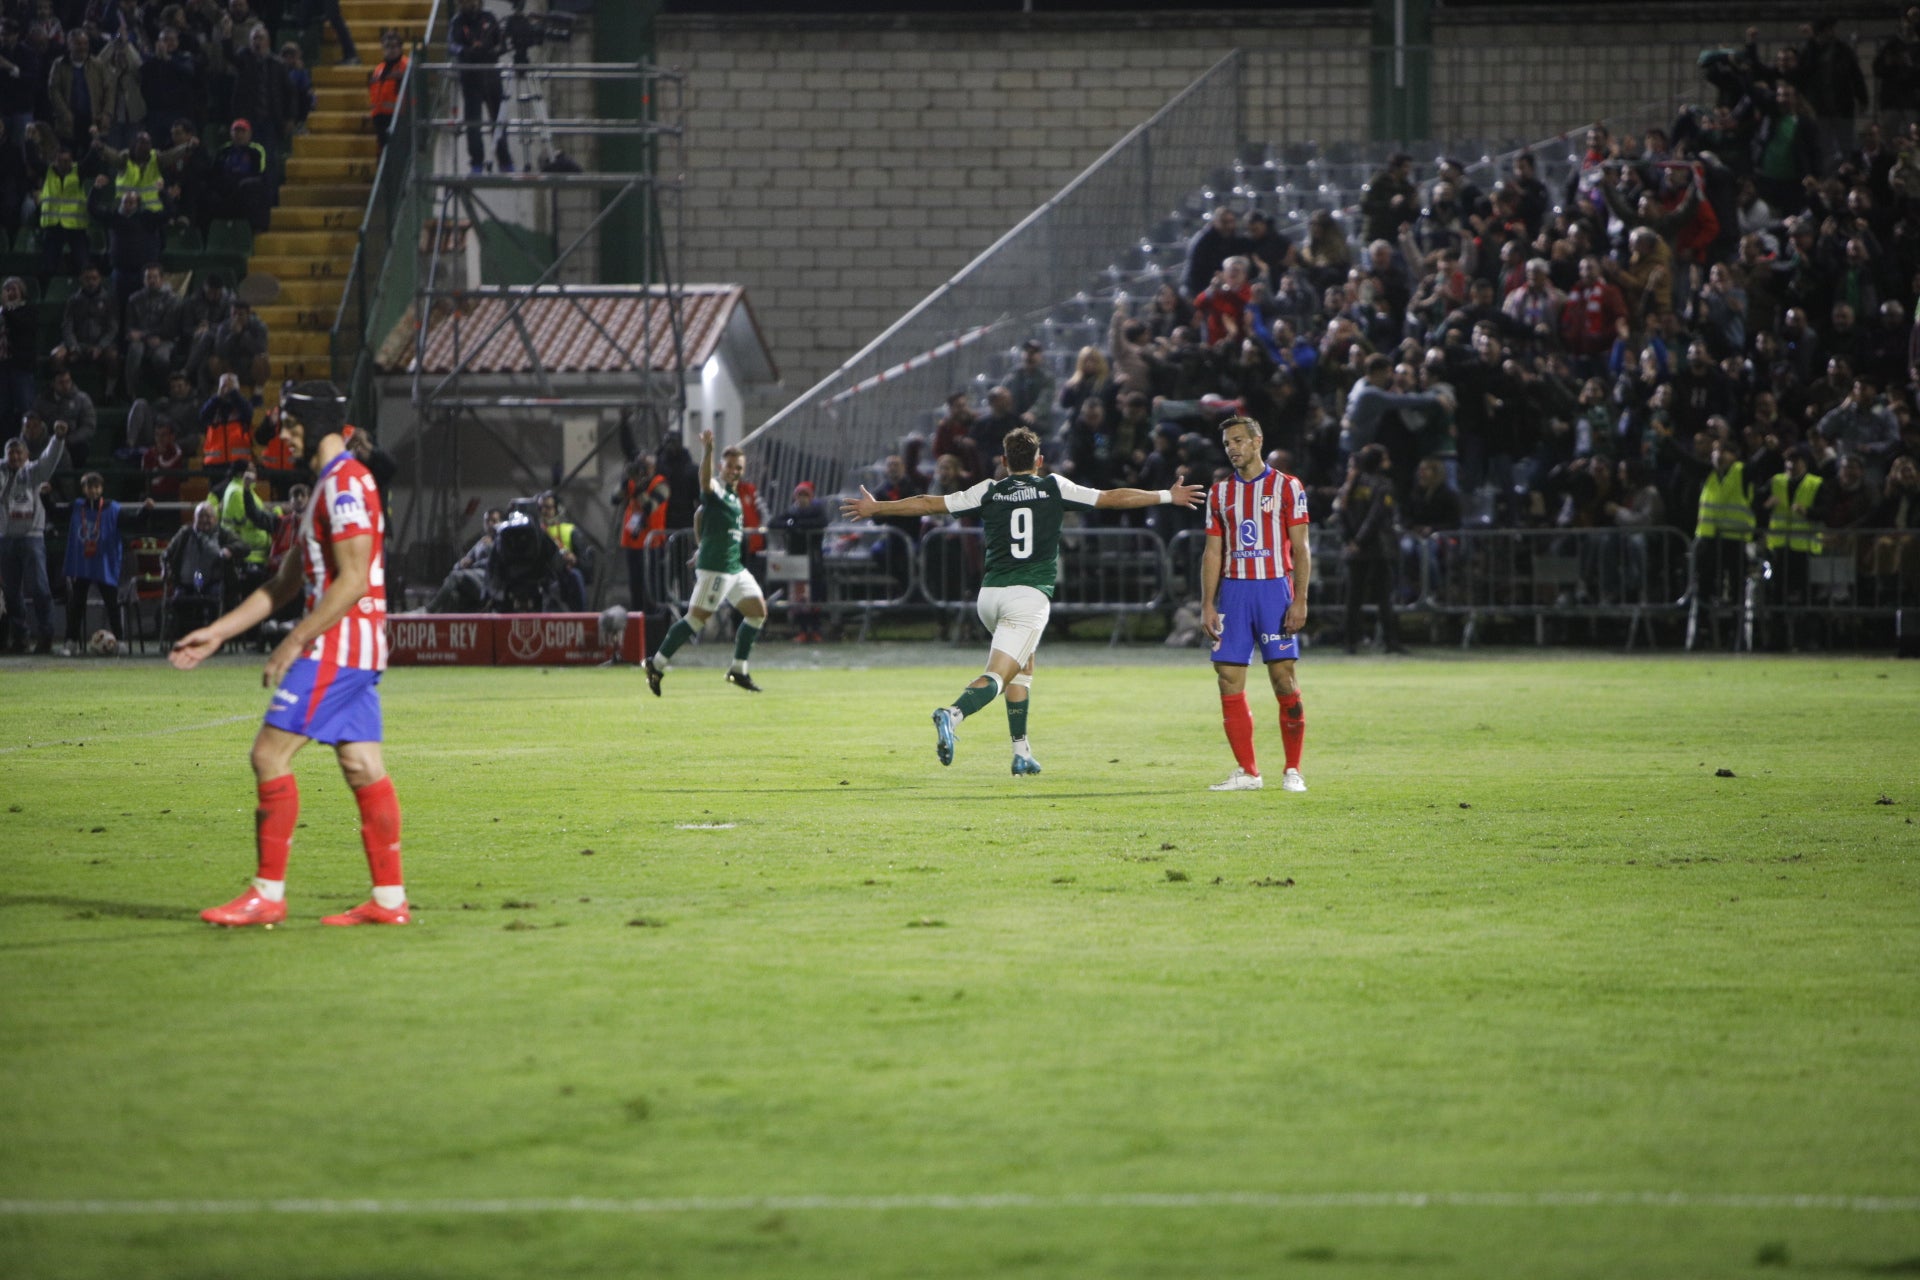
1017 716
677 634
743 640
972 700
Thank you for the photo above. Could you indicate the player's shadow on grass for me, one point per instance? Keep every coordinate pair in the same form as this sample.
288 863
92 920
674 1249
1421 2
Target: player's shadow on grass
89 908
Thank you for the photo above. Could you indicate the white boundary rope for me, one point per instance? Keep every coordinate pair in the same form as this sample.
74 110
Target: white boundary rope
1282 1201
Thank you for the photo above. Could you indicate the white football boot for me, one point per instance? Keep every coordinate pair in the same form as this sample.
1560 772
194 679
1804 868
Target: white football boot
1240 781
1292 781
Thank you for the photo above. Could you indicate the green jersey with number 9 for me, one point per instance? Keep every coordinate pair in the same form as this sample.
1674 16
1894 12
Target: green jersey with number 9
1021 517
721 527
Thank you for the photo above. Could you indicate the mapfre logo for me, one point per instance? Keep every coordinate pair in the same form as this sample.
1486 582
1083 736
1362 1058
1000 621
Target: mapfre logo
530 638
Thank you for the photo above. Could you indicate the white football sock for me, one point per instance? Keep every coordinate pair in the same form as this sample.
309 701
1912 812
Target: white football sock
271 890
390 896
1021 748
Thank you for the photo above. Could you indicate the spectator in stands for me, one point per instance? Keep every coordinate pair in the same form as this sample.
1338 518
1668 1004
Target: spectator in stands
16 183
805 525
79 94
1326 256
240 347
1389 201
198 561
262 91
95 540
89 329
163 463
1210 247
574 554
1370 401
475 41
1536 303
191 181
170 82
23 545
1895 562
19 330
239 177
153 319
1130 347
300 95
954 434
464 589
201 314
1092 380
988 430
22 78
1168 311
1222 305
383 85
1862 427
1364 508
63 217
62 403
1785 150
127 108
1834 87
135 237
1031 385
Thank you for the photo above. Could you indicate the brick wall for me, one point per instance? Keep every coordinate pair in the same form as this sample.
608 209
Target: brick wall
842 168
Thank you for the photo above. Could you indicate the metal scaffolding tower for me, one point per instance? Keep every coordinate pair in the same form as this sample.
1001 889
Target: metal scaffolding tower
553 156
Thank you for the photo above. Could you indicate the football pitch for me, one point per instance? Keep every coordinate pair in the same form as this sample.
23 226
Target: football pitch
1565 966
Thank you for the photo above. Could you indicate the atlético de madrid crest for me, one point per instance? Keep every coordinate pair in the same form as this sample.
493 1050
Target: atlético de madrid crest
1266 503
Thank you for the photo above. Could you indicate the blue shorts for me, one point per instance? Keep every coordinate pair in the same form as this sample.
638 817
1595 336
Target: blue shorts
1252 612
327 703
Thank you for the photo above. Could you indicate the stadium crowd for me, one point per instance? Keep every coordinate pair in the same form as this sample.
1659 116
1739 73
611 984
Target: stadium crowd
141 142
1708 326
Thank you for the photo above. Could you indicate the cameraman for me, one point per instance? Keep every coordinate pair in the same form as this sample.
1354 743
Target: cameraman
476 42
523 573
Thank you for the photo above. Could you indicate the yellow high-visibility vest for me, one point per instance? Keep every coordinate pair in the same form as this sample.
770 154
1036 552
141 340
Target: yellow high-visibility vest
63 201
1787 528
145 180
1726 505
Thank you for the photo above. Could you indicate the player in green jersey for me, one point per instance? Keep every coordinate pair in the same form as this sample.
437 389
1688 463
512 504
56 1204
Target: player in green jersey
719 574
1020 515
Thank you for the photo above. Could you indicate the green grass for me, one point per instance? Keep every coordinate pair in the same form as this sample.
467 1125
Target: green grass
1531 944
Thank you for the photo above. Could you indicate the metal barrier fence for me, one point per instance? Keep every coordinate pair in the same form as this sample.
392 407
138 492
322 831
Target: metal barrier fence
1477 578
1780 596
857 412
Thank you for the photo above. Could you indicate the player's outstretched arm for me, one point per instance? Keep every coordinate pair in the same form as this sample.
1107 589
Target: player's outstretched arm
1181 495
353 558
866 506
706 460
190 650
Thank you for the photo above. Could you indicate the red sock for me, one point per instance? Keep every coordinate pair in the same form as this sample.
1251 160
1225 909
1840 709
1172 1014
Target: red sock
274 815
380 830
1293 728
1239 723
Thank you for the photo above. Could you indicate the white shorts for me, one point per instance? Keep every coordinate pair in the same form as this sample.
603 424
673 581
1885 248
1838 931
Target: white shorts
1016 616
711 589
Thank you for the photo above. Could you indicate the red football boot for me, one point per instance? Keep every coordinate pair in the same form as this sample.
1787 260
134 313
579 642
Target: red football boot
248 908
371 912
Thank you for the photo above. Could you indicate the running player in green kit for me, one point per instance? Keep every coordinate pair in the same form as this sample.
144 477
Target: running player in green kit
719 575
1021 517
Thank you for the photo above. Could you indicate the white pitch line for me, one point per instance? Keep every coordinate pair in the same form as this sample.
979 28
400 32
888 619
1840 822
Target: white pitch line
970 1203
122 737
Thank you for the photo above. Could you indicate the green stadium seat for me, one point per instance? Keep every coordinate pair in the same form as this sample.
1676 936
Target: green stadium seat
229 245
23 258
185 249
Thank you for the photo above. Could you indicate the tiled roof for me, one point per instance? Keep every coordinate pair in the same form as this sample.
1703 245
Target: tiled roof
624 332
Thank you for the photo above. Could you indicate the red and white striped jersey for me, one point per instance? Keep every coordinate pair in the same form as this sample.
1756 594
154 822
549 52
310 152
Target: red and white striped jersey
346 504
1252 517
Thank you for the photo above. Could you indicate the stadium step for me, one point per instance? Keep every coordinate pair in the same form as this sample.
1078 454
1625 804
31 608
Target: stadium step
333 124
291 269
342 101
345 194
305 244
325 218
303 169
338 146
309 294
